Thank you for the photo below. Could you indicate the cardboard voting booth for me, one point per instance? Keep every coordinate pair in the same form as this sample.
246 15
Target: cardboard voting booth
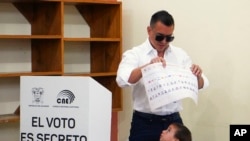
64 108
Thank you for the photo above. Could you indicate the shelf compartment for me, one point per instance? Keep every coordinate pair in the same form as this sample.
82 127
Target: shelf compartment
104 20
15 55
105 56
9 93
45 17
46 55
96 56
30 55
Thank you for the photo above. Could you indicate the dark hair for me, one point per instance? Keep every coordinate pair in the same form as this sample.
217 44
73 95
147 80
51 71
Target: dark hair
182 133
162 16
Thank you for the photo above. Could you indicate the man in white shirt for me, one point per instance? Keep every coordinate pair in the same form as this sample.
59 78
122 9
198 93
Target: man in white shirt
147 125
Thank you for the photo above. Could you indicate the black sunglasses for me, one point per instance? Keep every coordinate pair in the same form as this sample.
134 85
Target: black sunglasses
168 38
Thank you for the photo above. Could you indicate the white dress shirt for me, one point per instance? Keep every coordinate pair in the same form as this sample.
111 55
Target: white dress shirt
141 55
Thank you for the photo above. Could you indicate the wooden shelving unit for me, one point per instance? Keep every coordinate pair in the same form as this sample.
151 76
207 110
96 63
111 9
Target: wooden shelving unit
47 42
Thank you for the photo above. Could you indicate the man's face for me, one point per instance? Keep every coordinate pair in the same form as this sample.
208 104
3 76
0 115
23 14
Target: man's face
169 134
159 29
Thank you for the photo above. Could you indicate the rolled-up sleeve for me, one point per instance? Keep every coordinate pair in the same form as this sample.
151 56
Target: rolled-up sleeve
206 82
126 66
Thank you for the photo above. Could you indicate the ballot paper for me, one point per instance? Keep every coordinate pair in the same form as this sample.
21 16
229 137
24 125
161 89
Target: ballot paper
168 84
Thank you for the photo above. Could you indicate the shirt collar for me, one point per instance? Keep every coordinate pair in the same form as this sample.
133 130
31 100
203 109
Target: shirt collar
150 48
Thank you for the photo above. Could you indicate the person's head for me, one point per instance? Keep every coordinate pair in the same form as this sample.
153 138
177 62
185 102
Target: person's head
161 30
176 132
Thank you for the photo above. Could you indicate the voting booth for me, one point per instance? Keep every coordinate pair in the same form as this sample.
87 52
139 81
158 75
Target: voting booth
63 108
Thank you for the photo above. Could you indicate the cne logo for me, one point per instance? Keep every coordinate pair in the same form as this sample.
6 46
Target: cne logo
65 97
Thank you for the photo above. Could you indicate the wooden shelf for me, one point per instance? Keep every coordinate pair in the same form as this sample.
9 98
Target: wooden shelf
30 37
91 1
93 39
47 41
8 118
91 74
17 74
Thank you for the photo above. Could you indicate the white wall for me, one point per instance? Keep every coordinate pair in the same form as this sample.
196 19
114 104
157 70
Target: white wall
216 35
